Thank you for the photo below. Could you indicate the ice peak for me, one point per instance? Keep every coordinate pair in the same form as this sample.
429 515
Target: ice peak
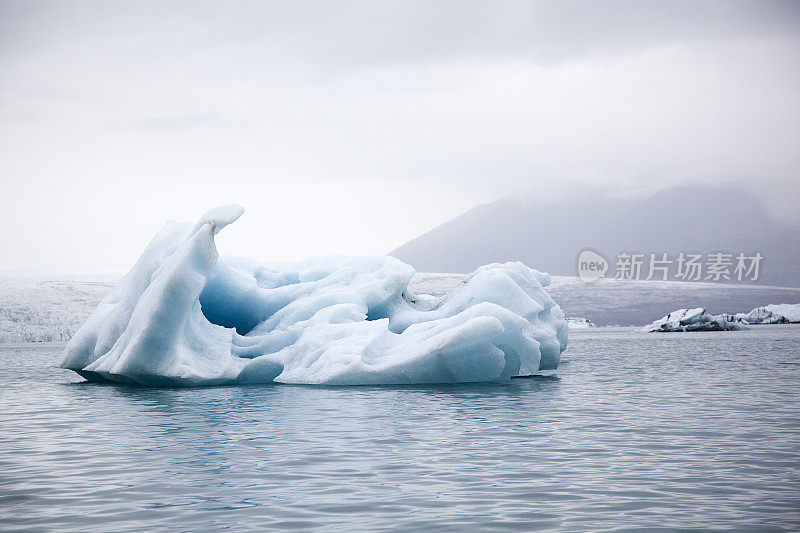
221 216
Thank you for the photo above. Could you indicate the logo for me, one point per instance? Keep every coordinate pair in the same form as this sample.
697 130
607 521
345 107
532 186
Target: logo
684 266
591 266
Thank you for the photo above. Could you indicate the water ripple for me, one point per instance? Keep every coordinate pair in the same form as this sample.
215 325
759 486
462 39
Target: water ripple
637 431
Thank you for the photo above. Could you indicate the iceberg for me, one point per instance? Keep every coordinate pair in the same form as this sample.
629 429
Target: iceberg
772 314
183 316
696 319
791 312
580 323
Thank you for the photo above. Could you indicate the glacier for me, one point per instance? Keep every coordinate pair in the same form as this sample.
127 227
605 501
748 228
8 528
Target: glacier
183 316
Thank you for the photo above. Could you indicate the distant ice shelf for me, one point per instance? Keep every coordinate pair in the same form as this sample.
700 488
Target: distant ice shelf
184 316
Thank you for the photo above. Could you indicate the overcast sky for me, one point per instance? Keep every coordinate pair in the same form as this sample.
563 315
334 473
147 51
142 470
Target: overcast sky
352 127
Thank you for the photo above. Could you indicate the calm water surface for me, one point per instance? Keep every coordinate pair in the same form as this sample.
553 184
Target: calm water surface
694 430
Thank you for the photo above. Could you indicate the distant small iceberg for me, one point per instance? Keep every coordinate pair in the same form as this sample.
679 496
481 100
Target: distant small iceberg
579 323
772 314
696 319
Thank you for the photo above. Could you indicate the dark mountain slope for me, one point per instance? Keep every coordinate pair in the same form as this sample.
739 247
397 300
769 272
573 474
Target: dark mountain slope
550 237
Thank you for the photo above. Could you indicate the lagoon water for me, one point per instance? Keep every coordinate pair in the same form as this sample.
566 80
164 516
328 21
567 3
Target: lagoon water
687 430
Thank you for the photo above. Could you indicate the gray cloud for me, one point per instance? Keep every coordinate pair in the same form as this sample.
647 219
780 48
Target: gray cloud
388 32
152 109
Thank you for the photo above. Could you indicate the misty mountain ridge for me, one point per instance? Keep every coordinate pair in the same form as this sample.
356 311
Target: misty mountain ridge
549 237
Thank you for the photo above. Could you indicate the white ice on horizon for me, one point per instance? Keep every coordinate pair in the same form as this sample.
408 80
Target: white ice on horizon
772 314
696 319
580 323
791 312
183 316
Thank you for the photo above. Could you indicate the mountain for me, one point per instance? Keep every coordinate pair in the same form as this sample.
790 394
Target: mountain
550 237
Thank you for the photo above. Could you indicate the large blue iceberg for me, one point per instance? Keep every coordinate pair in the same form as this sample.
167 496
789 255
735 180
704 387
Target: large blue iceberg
184 316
